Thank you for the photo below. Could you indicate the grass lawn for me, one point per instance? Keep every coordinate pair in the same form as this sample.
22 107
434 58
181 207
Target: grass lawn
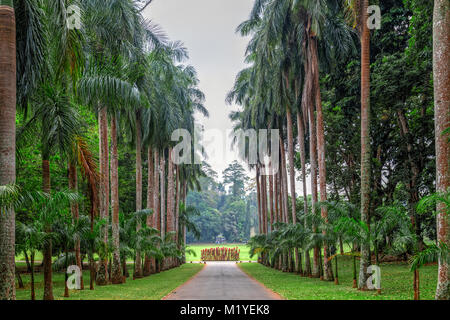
244 254
396 283
154 287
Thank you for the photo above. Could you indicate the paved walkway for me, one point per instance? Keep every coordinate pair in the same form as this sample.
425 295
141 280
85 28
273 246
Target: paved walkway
222 281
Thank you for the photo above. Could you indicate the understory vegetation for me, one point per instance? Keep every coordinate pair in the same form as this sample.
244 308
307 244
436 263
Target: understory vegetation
149 288
396 282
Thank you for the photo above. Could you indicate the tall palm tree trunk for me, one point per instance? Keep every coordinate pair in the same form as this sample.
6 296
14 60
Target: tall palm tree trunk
285 218
116 270
170 200
7 145
33 292
441 58
258 196
271 186
301 141
291 150
291 163
280 205
328 271
275 195
313 161
162 182
138 262
280 194
75 210
177 208
102 272
156 202
264 179
156 218
149 262
183 197
47 254
365 140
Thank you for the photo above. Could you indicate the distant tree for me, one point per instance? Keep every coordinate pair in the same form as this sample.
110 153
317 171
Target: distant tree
234 176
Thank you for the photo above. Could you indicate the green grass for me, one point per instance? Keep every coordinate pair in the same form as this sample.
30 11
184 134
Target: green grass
154 287
396 283
244 254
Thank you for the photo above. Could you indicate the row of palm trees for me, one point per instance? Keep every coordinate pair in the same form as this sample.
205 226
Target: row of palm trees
291 42
85 235
125 70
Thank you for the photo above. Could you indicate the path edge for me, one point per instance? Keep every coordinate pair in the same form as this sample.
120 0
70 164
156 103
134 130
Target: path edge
261 284
186 282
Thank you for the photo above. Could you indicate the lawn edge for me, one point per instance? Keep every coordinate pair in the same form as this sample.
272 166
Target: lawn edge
187 281
260 283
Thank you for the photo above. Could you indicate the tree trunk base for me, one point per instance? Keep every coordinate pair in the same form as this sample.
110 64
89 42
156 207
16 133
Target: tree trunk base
102 275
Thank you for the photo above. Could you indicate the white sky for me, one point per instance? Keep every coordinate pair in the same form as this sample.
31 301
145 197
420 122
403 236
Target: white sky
207 28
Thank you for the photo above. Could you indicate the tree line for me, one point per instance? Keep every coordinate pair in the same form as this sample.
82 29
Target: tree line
84 112
365 114
223 208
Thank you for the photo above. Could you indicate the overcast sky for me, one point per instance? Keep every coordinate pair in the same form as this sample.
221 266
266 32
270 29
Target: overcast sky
207 28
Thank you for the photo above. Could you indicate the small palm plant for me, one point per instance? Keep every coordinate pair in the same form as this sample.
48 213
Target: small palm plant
48 208
370 234
434 252
133 239
186 224
33 237
68 233
93 243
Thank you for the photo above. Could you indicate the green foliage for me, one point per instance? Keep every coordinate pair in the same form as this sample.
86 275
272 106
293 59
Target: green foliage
218 212
151 288
395 281
433 253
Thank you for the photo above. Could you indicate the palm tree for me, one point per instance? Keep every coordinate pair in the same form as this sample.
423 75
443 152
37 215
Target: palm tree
48 209
119 34
68 233
116 276
441 54
34 236
16 66
149 263
133 239
277 43
358 15
68 62
92 242
156 202
59 124
82 157
431 254
139 272
7 145
170 195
